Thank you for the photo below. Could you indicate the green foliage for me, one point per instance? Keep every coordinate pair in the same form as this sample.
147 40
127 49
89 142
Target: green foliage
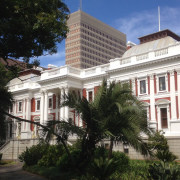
164 171
5 99
159 144
30 27
100 152
65 164
103 168
51 155
115 113
33 154
122 161
51 173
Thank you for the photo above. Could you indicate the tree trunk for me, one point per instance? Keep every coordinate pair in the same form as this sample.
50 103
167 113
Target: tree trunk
110 148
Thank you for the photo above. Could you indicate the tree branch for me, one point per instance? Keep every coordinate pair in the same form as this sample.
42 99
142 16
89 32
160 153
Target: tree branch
43 126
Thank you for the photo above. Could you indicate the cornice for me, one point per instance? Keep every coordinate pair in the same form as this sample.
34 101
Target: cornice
57 78
134 66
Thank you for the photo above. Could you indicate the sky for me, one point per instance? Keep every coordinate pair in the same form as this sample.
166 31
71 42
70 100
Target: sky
135 18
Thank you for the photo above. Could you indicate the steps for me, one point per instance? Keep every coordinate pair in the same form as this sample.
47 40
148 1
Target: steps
13 148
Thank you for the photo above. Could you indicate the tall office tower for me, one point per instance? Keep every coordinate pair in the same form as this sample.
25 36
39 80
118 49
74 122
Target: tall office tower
90 42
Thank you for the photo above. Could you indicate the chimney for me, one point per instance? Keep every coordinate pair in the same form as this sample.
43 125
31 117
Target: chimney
129 45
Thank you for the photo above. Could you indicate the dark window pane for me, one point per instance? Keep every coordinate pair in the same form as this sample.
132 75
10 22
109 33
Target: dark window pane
162 84
164 123
142 86
90 96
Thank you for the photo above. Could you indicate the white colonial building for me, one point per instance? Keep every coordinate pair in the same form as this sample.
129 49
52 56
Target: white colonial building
152 68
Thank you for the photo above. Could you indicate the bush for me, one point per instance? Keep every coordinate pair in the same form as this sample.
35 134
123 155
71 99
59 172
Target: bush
122 161
33 154
163 171
102 168
65 163
52 155
1 156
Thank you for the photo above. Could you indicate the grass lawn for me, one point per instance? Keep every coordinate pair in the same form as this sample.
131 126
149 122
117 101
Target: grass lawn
7 163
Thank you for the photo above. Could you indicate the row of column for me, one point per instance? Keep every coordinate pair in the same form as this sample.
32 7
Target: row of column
44 110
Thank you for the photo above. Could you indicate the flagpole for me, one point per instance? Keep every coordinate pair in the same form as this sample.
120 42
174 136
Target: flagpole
159 18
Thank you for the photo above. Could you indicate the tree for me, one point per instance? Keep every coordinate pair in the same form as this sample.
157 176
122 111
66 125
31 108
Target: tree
5 99
29 28
115 114
122 116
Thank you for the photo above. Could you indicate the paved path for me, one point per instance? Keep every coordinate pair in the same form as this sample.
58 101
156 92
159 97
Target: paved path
15 172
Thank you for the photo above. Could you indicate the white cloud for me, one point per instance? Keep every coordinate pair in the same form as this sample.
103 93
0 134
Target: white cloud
145 22
57 59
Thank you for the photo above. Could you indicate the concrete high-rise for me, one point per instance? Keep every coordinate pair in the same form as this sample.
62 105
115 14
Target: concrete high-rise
90 42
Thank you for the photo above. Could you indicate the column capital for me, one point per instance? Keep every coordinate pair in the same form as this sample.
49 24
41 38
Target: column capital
171 72
133 79
152 76
28 99
178 71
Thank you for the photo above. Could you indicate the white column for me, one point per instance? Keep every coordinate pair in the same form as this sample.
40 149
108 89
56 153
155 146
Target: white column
24 114
173 96
178 84
45 106
78 117
28 114
42 108
66 114
152 100
61 108
56 110
133 86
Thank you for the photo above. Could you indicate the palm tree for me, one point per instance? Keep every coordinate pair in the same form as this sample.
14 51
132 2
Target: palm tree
115 114
122 116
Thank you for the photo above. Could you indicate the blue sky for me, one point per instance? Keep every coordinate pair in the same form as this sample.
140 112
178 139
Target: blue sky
135 18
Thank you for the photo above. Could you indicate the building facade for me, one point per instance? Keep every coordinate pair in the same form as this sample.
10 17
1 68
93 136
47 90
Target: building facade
90 42
152 68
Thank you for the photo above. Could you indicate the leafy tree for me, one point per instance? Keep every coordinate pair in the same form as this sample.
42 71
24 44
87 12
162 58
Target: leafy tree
5 99
28 28
158 143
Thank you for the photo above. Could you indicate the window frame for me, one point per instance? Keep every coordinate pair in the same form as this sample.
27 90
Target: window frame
50 97
139 86
37 104
88 91
166 83
160 109
19 111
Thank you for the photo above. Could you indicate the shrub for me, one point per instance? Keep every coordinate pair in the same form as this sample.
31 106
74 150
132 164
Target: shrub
52 155
33 154
100 152
162 171
103 168
65 164
159 144
122 161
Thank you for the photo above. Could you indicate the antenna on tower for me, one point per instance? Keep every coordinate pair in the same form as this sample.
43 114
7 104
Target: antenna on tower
80 5
159 18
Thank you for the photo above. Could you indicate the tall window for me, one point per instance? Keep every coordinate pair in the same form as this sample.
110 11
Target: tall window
50 102
162 83
90 96
164 123
38 105
143 87
20 106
